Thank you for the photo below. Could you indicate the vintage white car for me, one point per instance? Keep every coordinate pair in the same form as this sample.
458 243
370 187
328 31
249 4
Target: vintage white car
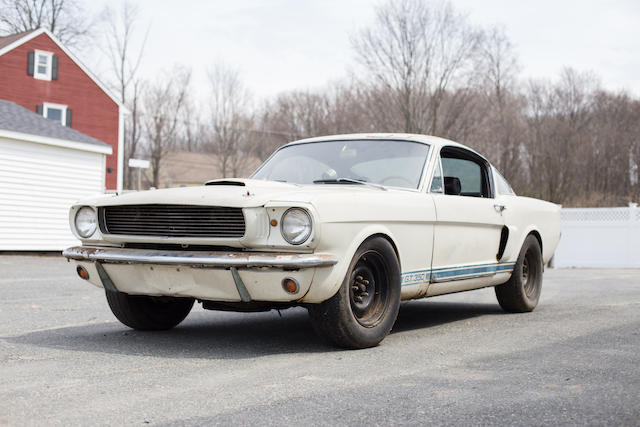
346 226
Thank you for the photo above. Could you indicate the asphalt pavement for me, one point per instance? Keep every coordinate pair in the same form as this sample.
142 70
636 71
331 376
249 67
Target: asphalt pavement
450 360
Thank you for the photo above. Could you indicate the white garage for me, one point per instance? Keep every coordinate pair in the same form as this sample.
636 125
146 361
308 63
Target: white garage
44 168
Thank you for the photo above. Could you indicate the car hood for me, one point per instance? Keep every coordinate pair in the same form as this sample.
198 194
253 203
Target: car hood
241 193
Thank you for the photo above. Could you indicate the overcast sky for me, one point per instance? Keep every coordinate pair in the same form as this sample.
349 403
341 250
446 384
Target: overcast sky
296 44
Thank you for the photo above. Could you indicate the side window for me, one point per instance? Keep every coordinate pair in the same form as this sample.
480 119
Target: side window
57 113
502 185
436 182
43 65
465 174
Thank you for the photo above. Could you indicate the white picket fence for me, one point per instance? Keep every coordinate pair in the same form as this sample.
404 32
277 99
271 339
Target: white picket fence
599 238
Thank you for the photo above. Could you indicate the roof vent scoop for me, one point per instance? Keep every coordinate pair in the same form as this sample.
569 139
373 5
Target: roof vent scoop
225 182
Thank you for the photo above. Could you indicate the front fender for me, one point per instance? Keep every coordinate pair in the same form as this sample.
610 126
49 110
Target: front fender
327 281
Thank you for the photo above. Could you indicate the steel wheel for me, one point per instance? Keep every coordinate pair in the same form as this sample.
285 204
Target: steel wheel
528 283
369 290
365 307
522 292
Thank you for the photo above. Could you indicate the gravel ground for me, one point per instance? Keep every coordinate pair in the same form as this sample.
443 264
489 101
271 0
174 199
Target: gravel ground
451 360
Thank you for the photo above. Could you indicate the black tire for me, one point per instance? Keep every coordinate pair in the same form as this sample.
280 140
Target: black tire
365 307
522 292
147 313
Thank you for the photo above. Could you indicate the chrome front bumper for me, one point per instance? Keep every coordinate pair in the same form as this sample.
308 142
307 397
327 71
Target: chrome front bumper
285 261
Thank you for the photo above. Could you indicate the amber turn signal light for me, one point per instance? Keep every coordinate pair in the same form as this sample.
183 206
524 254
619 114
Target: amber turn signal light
82 272
274 222
290 285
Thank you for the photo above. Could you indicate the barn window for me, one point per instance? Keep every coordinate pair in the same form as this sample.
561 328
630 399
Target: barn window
43 65
55 112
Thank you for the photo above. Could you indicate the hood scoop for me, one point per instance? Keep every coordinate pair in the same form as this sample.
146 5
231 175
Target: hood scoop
225 182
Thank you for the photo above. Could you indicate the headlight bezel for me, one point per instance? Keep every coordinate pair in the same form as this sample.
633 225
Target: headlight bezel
93 229
307 235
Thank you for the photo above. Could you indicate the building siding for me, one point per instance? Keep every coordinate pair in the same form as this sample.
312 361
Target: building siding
38 184
94 112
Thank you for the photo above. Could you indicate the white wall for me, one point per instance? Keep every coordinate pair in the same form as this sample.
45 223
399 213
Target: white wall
38 184
599 238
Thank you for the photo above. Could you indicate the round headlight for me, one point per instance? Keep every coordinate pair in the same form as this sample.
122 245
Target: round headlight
86 221
295 226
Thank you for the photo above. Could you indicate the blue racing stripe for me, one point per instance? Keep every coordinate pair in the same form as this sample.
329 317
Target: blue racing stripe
419 277
473 266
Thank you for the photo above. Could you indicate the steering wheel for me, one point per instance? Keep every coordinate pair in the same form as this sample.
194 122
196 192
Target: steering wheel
400 178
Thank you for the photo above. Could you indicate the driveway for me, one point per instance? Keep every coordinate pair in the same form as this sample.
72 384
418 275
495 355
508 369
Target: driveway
451 360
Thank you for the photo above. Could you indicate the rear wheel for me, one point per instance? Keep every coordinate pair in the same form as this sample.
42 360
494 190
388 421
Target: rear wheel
365 307
148 313
522 292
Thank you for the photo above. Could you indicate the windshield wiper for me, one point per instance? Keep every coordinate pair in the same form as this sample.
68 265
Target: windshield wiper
348 181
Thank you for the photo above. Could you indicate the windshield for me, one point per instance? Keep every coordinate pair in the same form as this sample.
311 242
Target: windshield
383 162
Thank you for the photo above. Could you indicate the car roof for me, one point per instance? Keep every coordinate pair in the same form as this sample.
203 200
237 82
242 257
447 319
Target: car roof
434 141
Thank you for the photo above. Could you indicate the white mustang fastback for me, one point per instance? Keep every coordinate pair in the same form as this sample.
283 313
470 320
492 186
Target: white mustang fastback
346 226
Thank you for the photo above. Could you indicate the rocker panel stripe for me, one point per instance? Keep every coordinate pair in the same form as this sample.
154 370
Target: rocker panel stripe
418 277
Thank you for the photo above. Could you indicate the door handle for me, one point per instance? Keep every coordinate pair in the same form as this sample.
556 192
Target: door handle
499 208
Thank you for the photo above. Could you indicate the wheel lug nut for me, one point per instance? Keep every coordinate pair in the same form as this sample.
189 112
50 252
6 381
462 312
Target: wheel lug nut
358 298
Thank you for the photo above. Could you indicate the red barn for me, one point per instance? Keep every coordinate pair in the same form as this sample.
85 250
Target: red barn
38 73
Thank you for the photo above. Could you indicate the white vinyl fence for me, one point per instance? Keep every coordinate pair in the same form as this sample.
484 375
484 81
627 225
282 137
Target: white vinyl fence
599 238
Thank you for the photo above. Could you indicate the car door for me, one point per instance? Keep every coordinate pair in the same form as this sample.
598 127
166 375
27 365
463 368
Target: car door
469 222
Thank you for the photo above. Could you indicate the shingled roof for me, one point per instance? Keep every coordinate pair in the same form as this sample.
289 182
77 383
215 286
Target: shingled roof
18 119
7 40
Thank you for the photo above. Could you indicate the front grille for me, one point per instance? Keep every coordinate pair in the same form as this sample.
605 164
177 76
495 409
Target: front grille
173 221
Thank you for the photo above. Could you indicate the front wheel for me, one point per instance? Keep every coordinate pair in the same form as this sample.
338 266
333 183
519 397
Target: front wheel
522 292
365 307
148 313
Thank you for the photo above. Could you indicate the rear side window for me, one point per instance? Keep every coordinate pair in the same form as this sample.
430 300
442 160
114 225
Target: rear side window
503 186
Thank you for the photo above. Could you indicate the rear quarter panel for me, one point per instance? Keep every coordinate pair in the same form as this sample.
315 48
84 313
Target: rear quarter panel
524 215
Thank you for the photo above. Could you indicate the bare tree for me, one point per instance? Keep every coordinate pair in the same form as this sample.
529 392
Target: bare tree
66 19
606 155
125 57
334 109
558 119
133 129
230 120
163 104
271 130
192 131
412 56
499 133
498 65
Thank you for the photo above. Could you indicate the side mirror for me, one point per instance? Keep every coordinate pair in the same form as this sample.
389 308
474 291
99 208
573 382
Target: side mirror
452 186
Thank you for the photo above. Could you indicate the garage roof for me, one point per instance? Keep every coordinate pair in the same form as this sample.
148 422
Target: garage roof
15 118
